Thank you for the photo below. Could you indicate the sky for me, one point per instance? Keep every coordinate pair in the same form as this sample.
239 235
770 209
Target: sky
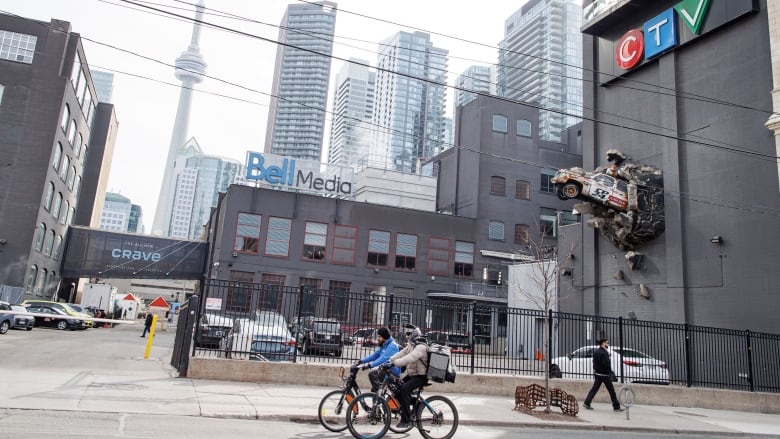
146 92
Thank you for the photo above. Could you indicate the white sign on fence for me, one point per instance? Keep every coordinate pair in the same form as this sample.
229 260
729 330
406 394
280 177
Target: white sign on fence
214 303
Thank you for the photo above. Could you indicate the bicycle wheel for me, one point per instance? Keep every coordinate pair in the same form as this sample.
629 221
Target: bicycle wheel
332 410
368 416
437 418
395 414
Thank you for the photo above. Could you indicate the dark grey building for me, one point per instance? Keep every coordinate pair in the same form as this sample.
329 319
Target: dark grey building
46 114
693 106
274 237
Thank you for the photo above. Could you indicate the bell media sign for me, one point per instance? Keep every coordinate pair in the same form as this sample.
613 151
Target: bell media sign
674 27
296 174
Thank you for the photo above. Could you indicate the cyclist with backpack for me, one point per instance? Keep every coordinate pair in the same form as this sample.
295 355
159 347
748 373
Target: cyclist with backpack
415 357
387 348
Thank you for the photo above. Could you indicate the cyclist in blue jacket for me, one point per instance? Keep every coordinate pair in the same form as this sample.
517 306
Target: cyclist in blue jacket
387 348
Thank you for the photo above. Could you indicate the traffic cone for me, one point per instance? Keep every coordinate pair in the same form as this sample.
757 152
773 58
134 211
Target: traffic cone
539 356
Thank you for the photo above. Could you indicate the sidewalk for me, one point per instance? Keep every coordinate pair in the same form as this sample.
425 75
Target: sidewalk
152 388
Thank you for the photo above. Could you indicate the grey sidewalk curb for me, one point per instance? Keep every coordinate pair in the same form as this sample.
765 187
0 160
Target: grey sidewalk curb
312 419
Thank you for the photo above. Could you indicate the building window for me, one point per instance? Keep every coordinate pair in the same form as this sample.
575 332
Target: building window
57 247
277 241
48 243
496 230
32 276
438 256
39 236
344 245
311 289
498 186
17 47
72 134
547 185
49 284
521 234
338 299
49 197
314 240
78 186
524 128
568 218
71 177
41 281
77 145
74 73
500 123
72 214
55 208
271 292
64 167
248 233
522 190
464 259
548 222
65 118
378 248
64 210
373 307
406 252
55 163
239 294
2 91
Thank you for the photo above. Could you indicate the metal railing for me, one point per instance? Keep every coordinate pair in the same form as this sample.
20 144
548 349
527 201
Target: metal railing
296 324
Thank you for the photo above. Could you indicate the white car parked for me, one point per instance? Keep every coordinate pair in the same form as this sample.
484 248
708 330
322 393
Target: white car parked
265 338
638 367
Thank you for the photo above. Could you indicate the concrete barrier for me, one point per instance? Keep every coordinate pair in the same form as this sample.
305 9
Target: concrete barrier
484 384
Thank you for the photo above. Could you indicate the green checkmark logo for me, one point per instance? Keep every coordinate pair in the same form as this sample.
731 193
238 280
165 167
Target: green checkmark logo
693 13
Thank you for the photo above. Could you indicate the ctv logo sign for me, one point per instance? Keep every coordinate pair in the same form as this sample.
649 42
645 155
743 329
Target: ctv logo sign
660 33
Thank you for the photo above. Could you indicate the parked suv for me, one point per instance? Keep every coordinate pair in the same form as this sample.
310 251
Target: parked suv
320 335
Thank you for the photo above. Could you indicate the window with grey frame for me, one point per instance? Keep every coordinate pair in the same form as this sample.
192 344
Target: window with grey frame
500 123
547 184
496 230
17 47
498 186
521 234
406 252
2 92
378 248
548 222
522 190
247 233
314 241
277 241
524 128
464 259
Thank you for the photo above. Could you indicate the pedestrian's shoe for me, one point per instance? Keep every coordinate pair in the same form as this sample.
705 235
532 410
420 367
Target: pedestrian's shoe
587 406
620 409
141 336
403 425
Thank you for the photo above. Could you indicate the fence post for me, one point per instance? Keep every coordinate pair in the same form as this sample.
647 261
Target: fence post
389 314
549 338
622 345
688 378
472 318
298 322
750 360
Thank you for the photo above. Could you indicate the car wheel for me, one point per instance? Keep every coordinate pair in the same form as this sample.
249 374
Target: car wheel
337 353
62 324
570 190
4 327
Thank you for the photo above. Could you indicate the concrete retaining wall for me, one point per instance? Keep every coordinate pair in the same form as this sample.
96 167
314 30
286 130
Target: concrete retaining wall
483 384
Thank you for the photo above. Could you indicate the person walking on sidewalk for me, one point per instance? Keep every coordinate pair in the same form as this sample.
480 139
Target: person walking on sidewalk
147 323
387 348
602 374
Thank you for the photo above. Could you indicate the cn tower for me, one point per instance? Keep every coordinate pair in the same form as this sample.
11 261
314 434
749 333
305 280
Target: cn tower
190 69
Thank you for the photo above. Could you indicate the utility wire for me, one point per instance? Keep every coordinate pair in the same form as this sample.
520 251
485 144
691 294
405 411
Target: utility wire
675 194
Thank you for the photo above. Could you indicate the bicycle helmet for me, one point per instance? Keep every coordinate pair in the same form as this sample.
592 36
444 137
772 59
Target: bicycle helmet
412 332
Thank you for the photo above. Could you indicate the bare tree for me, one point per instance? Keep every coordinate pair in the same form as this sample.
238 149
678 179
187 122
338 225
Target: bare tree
542 292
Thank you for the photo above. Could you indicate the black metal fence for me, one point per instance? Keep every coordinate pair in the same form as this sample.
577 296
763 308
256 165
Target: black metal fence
278 323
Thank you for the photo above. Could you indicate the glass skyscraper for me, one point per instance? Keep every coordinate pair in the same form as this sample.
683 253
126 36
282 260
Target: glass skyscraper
296 117
540 62
476 78
408 114
353 104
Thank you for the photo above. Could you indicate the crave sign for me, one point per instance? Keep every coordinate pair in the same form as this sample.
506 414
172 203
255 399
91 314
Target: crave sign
303 175
674 27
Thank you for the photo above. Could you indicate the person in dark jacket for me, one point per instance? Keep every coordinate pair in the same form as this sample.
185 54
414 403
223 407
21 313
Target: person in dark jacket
602 374
387 348
147 323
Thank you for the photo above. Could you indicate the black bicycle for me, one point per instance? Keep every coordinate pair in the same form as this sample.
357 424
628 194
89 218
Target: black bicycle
370 415
333 406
